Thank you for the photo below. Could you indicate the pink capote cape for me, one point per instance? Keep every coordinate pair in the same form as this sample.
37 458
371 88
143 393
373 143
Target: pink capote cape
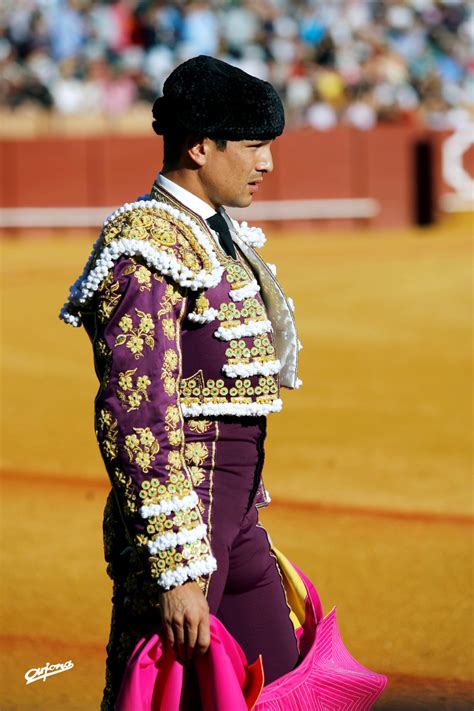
328 677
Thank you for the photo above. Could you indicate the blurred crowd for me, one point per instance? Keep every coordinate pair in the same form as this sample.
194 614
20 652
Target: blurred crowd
333 61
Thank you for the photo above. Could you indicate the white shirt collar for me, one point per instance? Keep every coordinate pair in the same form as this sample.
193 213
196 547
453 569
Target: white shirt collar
201 208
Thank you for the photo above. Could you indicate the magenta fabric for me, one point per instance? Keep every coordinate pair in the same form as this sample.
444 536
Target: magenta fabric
328 677
155 681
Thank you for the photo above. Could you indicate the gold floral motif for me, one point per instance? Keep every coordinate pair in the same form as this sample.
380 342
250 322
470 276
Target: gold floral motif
201 304
168 233
172 297
239 352
253 309
142 447
109 296
108 428
157 525
172 417
190 260
196 453
199 425
187 519
237 275
135 337
170 363
103 356
174 438
101 348
163 232
171 359
131 394
172 422
174 459
125 483
141 540
168 328
169 384
191 551
142 274
243 390
229 314
186 238
171 558
197 474
152 491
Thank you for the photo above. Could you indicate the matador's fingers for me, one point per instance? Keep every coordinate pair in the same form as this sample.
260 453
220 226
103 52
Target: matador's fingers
204 636
168 634
178 630
191 634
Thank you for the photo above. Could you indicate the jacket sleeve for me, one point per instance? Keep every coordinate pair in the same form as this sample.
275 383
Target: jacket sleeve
139 425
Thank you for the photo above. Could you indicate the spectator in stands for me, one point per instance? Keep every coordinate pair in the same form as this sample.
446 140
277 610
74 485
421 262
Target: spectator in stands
350 62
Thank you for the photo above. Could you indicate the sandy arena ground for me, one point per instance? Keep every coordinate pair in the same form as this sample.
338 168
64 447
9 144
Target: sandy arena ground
368 465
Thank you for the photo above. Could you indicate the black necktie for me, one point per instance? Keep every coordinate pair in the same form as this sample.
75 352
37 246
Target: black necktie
219 225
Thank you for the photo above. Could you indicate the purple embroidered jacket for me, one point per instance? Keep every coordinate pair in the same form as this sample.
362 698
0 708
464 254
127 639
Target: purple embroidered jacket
179 330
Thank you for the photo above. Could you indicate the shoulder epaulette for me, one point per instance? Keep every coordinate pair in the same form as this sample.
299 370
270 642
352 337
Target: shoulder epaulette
168 240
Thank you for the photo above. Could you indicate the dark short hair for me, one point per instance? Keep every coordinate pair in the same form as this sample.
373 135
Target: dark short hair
174 142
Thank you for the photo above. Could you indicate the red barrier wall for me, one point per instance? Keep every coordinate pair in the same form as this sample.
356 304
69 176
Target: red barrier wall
107 171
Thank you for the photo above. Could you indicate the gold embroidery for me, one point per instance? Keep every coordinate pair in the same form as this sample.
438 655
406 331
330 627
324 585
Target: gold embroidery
142 274
131 395
197 475
167 232
103 356
191 551
168 328
101 348
172 421
172 416
136 336
196 453
152 491
174 438
239 352
202 304
125 483
202 584
194 390
108 426
170 363
229 314
174 459
237 275
171 359
199 425
171 298
185 518
253 309
163 233
109 296
142 447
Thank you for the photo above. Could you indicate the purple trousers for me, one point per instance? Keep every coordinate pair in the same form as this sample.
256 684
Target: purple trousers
225 459
246 591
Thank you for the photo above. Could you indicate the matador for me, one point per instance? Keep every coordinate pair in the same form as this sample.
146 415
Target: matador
193 339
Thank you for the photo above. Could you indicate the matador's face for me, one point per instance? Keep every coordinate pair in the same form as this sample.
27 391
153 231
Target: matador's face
232 176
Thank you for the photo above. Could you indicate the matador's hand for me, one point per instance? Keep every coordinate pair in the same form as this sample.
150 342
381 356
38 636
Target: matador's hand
185 615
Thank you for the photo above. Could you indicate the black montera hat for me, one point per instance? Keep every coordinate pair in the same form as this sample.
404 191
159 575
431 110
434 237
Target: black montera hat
207 97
